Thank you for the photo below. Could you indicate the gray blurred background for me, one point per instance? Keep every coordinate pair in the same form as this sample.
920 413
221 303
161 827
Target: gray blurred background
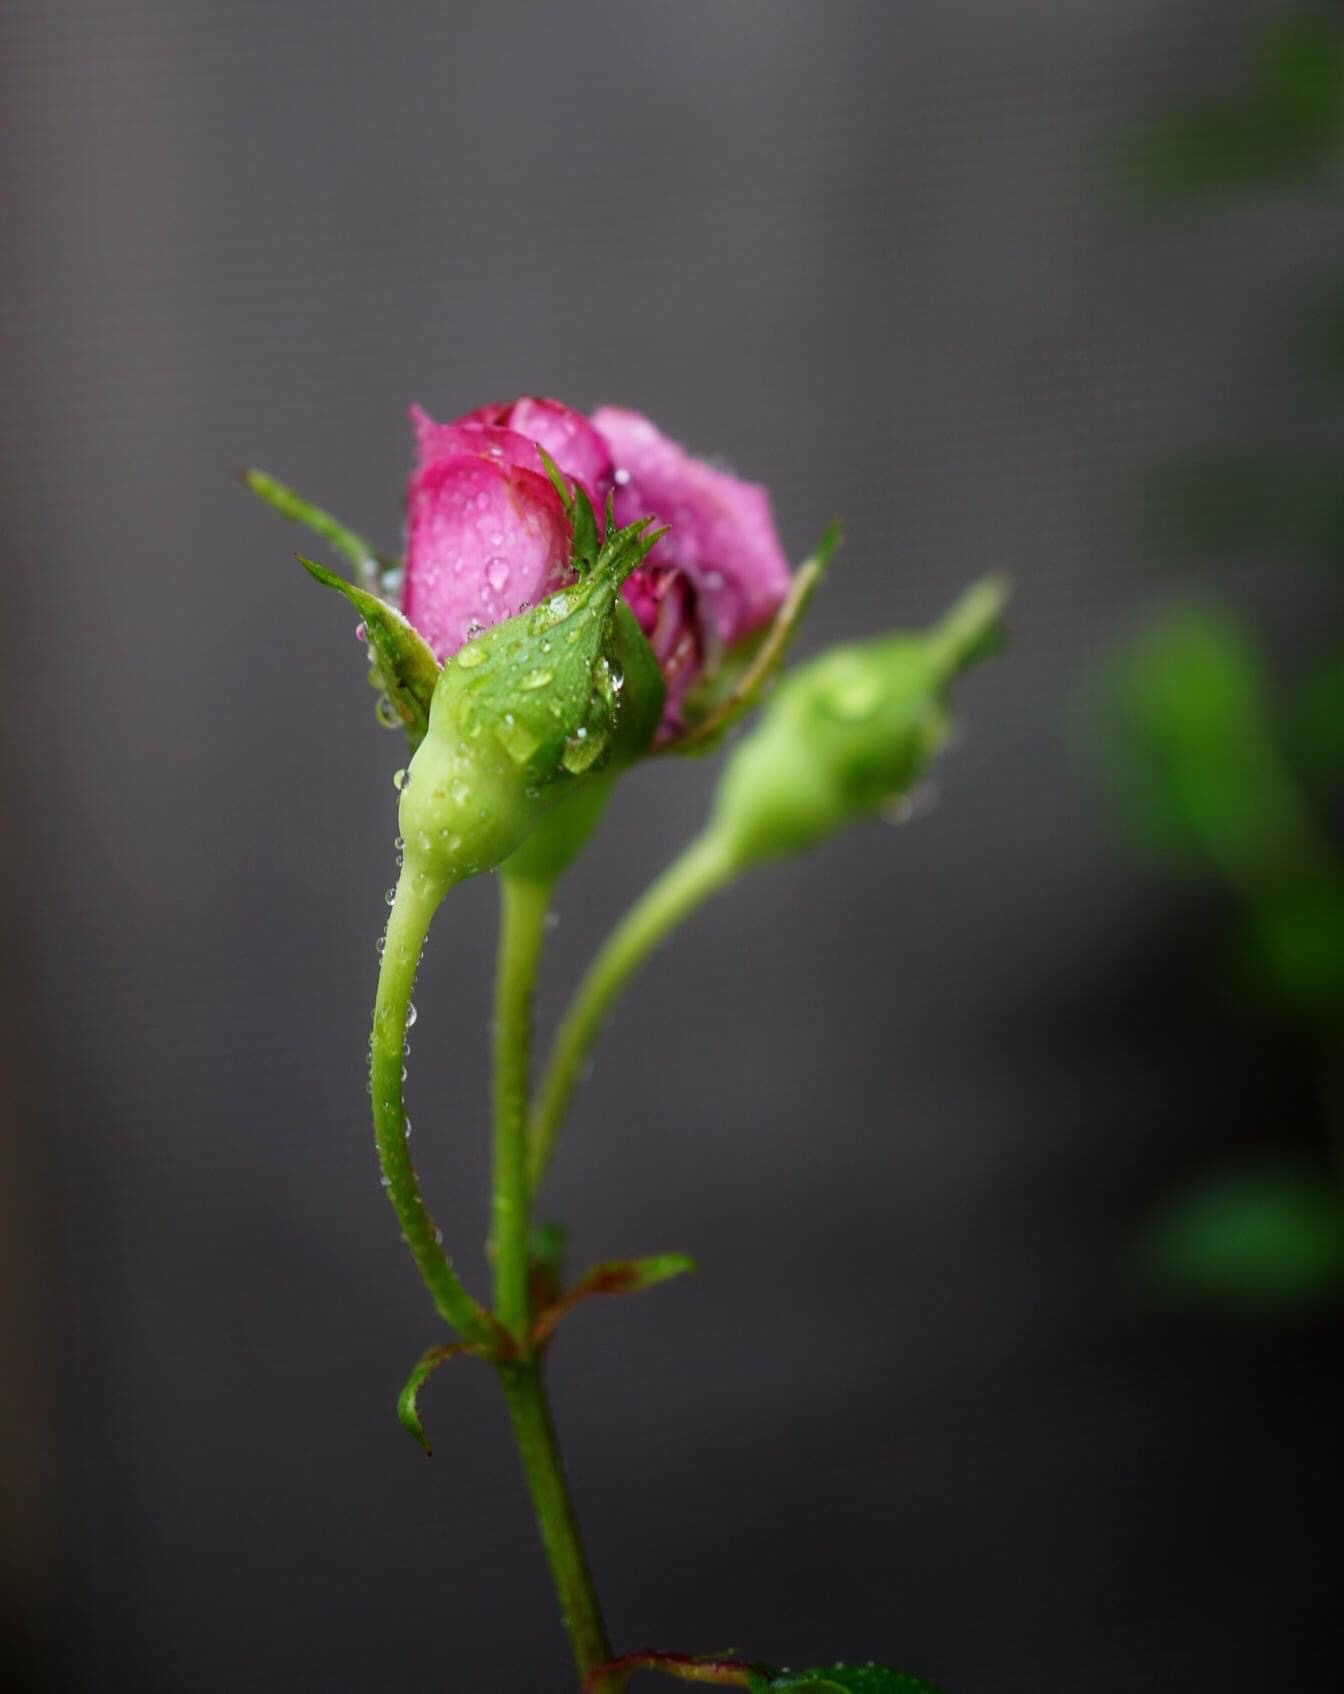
908 1102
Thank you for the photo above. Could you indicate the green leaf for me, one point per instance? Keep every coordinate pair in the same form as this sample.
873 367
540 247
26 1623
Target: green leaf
428 1362
368 566
407 670
737 683
613 1276
841 1679
1270 1238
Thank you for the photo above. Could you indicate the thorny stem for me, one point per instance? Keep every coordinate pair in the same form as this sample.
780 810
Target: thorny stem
701 870
415 903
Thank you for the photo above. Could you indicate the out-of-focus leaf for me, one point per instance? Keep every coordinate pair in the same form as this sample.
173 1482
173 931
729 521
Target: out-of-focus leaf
1285 129
1194 754
1200 773
841 1679
1315 726
1294 946
1242 503
1266 1238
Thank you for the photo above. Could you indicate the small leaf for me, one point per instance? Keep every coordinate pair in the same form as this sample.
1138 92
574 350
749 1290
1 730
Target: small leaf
739 681
407 669
546 1264
428 1362
841 1679
613 1276
368 565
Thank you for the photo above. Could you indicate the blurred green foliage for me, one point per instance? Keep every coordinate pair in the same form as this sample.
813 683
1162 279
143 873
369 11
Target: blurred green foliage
1285 130
1263 1237
1218 770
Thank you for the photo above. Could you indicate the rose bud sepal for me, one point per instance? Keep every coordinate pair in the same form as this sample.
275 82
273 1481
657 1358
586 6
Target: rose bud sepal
565 829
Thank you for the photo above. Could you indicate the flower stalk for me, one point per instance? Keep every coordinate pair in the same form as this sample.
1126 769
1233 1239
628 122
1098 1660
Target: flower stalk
417 899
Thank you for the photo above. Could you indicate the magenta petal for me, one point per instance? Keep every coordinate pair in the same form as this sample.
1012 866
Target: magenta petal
567 436
483 539
722 529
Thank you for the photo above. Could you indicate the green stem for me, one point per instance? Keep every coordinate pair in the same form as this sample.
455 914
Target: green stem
703 868
523 905
525 1392
416 901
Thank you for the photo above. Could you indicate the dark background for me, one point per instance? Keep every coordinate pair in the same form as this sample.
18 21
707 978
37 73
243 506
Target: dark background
909 1101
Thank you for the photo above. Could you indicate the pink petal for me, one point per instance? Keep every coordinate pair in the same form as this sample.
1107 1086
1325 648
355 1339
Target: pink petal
483 539
722 529
567 436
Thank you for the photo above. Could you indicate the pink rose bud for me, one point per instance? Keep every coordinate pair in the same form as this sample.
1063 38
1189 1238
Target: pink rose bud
487 533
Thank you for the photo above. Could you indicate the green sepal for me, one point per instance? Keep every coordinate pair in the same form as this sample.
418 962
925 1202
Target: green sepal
369 566
737 682
612 1276
428 1362
567 827
546 683
586 541
840 1679
407 671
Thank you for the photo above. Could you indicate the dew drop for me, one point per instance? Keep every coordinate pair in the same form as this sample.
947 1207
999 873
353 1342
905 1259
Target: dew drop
411 1014
497 574
401 780
537 679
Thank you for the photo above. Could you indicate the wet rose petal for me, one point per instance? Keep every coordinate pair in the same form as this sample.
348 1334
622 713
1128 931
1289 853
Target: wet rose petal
484 539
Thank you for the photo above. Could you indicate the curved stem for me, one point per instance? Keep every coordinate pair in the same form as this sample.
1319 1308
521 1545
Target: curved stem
703 868
535 1434
416 901
523 905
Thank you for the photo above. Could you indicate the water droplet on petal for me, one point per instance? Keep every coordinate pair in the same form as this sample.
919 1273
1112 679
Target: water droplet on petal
497 574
